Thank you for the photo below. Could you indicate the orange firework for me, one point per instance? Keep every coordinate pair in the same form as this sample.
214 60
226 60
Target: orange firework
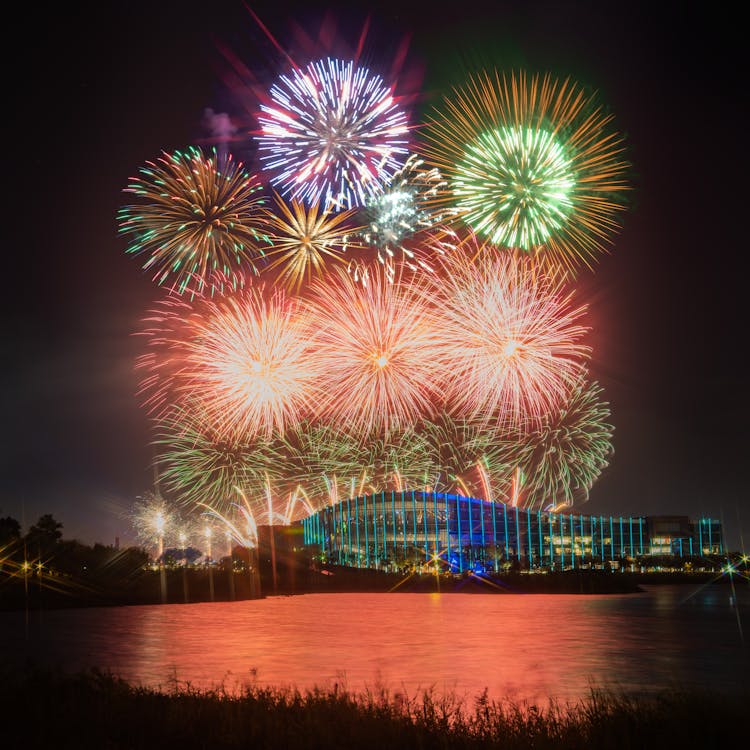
249 363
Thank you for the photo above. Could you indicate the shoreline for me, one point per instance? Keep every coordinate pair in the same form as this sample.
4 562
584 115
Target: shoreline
197 586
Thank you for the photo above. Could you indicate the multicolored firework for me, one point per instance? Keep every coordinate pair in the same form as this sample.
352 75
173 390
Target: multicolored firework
304 239
562 459
375 346
202 224
402 211
425 335
511 337
531 164
332 135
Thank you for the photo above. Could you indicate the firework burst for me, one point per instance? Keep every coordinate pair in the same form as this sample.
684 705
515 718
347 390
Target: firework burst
245 360
249 363
470 456
319 459
511 337
201 225
199 466
375 346
154 521
562 459
396 461
332 135
304 239
531 164
401 212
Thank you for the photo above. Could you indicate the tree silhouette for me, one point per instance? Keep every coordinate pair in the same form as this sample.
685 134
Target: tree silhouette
10 530
44 534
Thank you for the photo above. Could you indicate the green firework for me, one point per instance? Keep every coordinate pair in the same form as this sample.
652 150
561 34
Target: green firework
531 163
199 466
563 458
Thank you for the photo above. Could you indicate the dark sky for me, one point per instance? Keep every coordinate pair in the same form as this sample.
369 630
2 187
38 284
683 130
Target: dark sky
94 93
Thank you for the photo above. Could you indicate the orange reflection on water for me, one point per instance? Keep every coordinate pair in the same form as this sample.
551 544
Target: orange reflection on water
525 647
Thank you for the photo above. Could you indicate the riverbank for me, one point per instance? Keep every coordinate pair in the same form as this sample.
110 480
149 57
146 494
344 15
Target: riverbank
97 710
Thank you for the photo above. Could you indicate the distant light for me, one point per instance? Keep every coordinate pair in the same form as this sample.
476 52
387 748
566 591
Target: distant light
381 361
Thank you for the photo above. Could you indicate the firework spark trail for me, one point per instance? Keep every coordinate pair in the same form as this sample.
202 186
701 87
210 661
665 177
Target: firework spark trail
201 225
333 134
375 347
531 163
242 529
511 337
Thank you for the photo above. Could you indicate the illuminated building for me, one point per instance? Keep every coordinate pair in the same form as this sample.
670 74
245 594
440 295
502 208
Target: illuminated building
681 537
414 528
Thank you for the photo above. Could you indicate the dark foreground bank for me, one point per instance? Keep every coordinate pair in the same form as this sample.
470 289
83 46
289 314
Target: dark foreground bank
95 710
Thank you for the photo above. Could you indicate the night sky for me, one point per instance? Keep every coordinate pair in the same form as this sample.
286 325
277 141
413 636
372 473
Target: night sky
93 94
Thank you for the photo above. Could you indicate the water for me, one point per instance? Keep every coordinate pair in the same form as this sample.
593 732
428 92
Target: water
525 647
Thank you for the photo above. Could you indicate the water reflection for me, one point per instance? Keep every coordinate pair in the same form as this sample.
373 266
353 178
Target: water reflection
525 647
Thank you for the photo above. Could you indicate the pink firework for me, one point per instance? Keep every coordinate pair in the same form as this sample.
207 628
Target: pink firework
245 359
512 335
249 363
375 345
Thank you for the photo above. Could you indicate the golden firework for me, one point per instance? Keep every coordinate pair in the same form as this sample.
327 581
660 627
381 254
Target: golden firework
304 239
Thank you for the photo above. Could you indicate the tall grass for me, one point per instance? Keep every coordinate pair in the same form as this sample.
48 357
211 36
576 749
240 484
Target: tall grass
98 710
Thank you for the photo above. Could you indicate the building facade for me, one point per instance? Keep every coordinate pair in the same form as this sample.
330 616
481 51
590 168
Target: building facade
413 528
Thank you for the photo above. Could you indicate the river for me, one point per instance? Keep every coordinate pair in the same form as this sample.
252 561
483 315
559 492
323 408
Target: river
522 647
